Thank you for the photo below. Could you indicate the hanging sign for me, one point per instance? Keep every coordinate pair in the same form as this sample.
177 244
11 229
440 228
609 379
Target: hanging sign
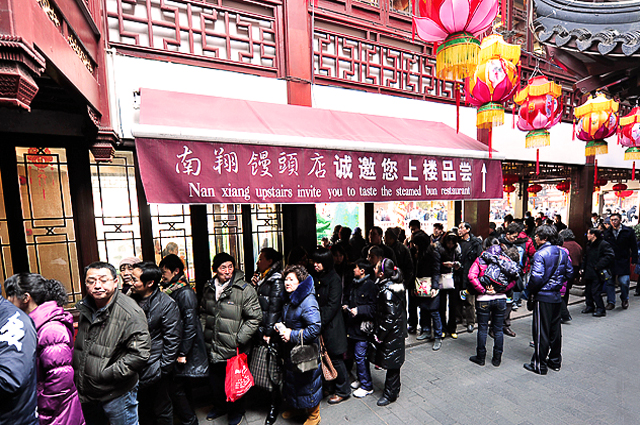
188 172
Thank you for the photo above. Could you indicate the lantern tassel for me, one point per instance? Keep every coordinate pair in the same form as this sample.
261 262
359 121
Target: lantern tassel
513 116
633 171
503 12
537 162
490 115
457 90
595 171
573 133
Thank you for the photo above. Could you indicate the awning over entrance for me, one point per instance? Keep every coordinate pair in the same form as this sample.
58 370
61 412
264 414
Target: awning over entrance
270 153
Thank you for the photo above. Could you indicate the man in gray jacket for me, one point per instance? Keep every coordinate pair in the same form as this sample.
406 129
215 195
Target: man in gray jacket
111 348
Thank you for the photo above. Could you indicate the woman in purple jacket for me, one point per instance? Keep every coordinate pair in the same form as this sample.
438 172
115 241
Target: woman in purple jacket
42 299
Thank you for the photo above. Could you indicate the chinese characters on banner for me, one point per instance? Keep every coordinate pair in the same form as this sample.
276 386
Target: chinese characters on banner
188 172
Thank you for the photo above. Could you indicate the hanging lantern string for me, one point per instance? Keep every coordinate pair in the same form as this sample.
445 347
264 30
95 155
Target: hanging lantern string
490 143
457 90
595 171
538 162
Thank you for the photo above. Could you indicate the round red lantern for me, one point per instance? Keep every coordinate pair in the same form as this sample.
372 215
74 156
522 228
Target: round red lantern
455 24
619 187
509 188
564 186
597 120
624 193
597 184
494 80
534 189
509 179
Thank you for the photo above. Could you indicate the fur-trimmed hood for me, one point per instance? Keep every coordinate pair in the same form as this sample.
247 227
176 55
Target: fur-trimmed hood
301 292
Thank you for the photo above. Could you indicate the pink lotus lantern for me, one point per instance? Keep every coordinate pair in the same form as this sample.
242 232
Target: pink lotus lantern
494 80
455 24
540 110
630 134
597 120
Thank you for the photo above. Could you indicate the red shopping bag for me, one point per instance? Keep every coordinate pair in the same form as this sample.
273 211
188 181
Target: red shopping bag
238 379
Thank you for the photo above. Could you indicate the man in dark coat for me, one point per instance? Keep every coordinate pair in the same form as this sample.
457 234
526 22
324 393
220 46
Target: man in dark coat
402 254
623 241
470 249
599 256
107 378
165 327
551 267
375 239
334 332
18 343
192 359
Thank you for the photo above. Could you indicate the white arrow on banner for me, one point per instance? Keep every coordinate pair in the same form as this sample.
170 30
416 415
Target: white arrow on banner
484 178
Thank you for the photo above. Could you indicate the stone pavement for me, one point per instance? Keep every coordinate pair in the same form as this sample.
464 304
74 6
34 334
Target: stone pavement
598 382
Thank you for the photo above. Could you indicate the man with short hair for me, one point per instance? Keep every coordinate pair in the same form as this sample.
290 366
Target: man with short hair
599 256
112 347
438 232
559 225
345 234
623 241
375 239
192 361
165 328
470 248
551 267
376 253
18 371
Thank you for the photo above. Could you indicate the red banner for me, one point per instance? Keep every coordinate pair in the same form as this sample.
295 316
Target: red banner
187 172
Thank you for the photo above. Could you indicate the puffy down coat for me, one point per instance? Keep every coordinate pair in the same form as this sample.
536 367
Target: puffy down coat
165 328
110 349
301 314
387 349
58 402
231 321
550 269
192 341
270 291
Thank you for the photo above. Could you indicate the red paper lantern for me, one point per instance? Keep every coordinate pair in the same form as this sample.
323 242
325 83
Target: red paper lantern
624 193
599 183
509 179
540 109
534 189
619 187
509 188
564 186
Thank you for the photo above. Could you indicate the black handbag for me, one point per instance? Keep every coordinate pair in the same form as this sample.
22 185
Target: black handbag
605 277
305 357
265 366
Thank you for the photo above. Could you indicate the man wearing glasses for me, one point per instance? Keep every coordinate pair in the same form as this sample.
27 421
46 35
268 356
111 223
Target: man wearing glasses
623 241
111 347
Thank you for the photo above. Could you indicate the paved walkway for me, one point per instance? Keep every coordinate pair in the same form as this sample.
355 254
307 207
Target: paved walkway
598 383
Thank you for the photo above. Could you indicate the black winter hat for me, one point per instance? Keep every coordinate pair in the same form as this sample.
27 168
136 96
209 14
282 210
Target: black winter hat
221 258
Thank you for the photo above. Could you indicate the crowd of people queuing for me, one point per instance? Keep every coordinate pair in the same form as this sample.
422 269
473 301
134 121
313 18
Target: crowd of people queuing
143 335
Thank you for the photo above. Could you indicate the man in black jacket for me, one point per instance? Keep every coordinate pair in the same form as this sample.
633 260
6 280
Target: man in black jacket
165 327
18 342
192 361
598 257
375 239
625 246
470 249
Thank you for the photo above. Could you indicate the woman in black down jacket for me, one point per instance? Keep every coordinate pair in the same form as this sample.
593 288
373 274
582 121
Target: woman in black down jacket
428 265
390 328
192 359
334 334
269 284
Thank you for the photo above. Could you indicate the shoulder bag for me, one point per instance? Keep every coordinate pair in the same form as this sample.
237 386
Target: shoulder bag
423 287
304 357
446 281
328 371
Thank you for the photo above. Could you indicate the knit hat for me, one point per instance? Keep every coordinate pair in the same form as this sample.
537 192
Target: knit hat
129 261
221 258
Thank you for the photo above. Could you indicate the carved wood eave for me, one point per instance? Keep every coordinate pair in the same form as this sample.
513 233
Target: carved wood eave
19 63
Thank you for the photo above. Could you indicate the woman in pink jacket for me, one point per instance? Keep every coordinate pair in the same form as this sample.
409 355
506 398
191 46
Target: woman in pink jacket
42 299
